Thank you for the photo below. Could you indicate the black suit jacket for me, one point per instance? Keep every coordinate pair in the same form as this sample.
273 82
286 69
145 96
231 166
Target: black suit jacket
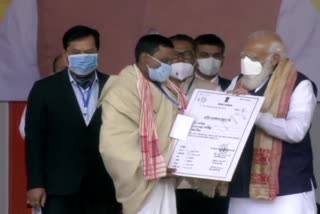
61 150
224 83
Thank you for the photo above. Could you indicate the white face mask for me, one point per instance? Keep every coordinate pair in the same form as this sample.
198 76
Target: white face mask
253 81
181 70
250 67
209 66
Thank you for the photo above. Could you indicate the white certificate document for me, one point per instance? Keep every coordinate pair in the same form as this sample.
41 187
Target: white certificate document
221 127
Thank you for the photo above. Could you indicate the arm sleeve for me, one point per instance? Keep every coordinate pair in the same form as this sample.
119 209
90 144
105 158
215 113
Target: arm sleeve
293 128
119 139
232 84
35 129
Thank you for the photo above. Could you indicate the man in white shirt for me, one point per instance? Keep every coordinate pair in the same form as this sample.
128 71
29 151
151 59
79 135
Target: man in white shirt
275 172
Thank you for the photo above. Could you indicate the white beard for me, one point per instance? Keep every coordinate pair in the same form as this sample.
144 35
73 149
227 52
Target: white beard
252 82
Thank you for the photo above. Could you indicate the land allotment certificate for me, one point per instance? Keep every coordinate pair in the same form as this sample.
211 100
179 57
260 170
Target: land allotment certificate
213 146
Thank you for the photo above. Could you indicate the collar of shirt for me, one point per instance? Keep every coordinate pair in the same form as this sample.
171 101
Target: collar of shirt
72 81
213 80
262 84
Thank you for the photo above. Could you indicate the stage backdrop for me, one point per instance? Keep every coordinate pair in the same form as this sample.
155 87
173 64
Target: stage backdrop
18 48
121 23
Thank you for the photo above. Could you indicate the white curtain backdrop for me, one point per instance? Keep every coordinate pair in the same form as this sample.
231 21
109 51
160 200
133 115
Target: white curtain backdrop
299 26
18 50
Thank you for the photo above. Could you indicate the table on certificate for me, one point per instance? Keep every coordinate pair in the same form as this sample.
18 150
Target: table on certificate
218 135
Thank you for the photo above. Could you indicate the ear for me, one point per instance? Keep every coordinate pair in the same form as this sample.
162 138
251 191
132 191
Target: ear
196 64
222 61
143 58
65 58
143 61
275 59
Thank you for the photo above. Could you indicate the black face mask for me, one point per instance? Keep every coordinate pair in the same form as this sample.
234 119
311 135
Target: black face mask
84 81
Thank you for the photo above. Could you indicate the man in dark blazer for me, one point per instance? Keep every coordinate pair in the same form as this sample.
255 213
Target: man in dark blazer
65 171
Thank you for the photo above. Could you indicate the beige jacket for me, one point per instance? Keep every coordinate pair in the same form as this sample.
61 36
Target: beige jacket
120 145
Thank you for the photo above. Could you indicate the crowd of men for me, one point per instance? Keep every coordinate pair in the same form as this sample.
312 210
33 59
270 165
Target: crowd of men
99 144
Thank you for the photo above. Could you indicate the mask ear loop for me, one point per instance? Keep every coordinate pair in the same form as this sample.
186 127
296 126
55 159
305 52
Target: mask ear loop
271 55
155 58
195 66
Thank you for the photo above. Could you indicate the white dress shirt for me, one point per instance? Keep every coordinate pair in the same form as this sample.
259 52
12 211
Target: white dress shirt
291 129
87 113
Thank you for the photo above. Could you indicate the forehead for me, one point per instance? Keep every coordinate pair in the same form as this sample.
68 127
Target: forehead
211 49
182 45
256 48
164 52
84 43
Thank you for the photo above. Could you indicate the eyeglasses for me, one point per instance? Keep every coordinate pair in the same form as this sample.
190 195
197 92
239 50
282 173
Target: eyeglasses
162 61
184 54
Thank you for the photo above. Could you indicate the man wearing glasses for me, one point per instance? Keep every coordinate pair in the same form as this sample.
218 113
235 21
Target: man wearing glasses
184 61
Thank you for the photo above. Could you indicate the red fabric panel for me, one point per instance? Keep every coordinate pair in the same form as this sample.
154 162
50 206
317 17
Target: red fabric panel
121 23
17 174
232 20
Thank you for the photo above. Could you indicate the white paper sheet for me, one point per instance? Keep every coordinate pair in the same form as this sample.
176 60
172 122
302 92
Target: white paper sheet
215 142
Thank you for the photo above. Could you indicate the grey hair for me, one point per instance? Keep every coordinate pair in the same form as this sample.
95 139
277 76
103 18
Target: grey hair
278 48
277 45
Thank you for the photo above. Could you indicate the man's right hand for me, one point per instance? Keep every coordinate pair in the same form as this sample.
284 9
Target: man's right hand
37 197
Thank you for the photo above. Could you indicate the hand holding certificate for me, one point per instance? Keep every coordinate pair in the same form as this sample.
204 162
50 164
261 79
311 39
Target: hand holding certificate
222 124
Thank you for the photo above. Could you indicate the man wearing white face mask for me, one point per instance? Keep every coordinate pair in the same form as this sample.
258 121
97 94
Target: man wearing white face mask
210 55
275 172
139 107
65 171
183 63
188 199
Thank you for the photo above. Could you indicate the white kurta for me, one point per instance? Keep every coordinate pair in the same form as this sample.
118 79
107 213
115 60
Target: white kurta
300 203
162 199
291 129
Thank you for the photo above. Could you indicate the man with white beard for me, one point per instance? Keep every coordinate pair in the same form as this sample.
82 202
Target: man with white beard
275 172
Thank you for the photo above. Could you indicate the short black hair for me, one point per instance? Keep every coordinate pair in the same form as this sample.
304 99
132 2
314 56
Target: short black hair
183 37
210 39
80 32
150 44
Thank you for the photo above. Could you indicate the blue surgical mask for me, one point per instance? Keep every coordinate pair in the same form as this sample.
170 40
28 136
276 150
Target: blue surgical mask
160 74
83 64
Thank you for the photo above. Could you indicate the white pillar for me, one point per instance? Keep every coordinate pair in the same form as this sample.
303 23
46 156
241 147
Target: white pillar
315 138
4 157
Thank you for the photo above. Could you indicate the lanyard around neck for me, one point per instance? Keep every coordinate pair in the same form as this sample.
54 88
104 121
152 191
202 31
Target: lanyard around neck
85 99
168 96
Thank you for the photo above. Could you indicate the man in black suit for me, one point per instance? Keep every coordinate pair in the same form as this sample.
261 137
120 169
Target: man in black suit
65 171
